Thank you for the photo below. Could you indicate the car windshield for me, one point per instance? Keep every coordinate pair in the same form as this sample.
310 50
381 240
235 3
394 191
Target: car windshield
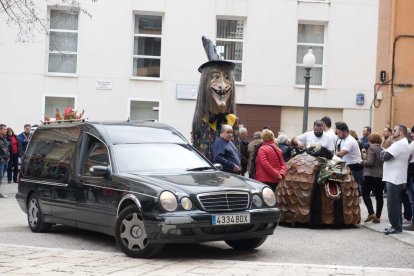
157 158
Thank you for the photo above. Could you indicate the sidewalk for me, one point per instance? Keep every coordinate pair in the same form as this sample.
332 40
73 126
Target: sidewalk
405 236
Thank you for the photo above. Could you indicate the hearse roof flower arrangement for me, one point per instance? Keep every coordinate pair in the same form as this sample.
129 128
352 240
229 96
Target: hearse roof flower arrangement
68 114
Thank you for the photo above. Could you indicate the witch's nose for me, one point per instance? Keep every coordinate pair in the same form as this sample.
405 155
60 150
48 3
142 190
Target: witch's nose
222 84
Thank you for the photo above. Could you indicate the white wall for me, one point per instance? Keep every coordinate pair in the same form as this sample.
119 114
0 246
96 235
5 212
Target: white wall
292 118
105 53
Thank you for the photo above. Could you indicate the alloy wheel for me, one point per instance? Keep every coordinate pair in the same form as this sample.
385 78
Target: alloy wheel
33 212
133 233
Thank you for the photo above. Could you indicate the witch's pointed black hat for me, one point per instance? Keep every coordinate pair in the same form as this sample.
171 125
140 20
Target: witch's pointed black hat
212 55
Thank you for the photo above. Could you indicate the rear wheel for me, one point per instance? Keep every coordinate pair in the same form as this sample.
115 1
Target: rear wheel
247 244
130 234
35 216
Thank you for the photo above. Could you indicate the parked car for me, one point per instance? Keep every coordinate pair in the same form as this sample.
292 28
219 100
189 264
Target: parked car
141 182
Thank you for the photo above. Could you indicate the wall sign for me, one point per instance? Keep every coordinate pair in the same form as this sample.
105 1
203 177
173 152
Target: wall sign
103 85
360 99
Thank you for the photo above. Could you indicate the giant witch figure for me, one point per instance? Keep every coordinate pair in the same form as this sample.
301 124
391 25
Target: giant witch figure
215 101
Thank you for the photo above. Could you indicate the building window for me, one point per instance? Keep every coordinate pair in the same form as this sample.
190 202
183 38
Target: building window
63 41
310 36
147 46
143 110
230 34
60 103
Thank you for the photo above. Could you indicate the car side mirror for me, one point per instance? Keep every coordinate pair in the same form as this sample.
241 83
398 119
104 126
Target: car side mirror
218 166
99 170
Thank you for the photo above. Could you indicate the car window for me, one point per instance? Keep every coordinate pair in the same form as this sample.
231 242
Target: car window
157 157
97 156
50 152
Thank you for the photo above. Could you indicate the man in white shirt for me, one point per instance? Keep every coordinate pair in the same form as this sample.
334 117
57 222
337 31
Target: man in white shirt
395 174
317 136
347 148
327 123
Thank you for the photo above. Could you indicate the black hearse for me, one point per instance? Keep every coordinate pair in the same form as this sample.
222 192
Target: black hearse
141 182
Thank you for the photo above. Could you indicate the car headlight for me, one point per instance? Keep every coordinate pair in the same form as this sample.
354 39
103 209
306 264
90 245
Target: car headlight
168 201
186 203
257 201
268 196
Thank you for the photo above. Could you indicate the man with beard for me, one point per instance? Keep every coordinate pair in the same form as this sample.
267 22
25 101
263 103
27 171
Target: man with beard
395 174
314 137
347 148
387 134
364 140
215 102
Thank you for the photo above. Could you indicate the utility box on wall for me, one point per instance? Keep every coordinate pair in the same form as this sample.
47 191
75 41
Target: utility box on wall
360 99
186 92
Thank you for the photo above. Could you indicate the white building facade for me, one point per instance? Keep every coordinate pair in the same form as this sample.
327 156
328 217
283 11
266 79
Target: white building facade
138 59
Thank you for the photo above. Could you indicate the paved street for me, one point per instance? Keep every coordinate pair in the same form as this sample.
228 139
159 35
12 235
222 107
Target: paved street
298 250
24 260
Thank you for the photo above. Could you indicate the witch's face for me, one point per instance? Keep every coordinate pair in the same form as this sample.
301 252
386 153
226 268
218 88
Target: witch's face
220 90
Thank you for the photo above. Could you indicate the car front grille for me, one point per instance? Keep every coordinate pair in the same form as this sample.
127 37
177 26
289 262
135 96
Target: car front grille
224 201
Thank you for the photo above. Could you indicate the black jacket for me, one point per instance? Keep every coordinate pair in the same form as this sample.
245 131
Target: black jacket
4 149
244 155
286 151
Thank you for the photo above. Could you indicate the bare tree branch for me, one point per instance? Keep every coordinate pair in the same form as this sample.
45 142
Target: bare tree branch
28 19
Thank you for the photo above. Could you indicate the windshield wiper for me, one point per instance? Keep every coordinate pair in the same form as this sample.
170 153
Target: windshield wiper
200 169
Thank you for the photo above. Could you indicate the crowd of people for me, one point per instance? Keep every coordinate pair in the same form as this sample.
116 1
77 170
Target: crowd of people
12 147
381 166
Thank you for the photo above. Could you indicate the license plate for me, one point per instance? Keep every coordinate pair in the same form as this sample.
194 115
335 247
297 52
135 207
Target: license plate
230 219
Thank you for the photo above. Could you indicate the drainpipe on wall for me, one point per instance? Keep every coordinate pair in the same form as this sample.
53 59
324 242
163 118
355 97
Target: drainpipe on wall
392 94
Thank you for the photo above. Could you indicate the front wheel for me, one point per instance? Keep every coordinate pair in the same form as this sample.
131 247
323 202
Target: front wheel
130 234
35 216
247 244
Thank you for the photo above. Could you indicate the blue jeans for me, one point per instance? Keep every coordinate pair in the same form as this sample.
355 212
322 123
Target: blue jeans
394 205
3 168
410 191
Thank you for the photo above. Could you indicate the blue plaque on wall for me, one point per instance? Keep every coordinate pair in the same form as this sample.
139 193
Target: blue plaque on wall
360 99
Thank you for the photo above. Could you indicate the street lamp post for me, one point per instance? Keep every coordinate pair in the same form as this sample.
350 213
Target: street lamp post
308 63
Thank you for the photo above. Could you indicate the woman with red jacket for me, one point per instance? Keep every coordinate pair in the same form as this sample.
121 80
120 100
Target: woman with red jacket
13 167
270 166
